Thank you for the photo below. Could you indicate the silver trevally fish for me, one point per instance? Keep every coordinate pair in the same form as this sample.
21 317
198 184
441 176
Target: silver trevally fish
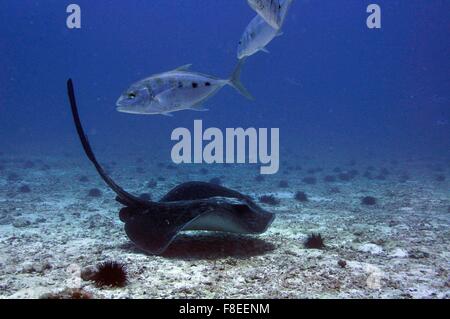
176 90
256 37
259 34
269 10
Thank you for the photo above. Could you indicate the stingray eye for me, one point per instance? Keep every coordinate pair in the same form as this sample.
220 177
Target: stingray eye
132 95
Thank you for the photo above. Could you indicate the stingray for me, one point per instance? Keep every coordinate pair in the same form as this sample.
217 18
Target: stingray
152 226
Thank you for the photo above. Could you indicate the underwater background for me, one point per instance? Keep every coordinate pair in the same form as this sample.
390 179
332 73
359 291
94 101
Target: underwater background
373 103
331 84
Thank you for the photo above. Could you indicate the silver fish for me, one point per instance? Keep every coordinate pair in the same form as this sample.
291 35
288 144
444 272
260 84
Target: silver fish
176 90
272 11
259 34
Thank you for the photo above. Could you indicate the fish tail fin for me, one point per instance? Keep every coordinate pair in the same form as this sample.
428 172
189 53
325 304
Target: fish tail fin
235 80
285 6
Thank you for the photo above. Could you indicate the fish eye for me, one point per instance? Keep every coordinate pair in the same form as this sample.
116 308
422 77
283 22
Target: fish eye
132 95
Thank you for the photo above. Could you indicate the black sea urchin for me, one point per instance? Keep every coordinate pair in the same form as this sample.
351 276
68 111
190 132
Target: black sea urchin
314 241
110 274
310 180
216 181
329 179
301 197
269 200
24 189
283 184
95 192
369 201
259 178
83 179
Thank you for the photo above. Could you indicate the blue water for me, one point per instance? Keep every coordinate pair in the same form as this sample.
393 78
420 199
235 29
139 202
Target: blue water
364 118
330 84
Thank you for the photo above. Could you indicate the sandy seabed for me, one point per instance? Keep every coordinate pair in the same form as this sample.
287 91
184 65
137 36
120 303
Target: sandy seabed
399 248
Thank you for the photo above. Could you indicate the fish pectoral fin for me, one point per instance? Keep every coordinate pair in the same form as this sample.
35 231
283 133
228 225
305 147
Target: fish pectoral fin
198 108
163 100
265 50
279 34
164 97
185 67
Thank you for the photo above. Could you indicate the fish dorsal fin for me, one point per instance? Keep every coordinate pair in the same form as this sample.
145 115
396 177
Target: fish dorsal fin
185 67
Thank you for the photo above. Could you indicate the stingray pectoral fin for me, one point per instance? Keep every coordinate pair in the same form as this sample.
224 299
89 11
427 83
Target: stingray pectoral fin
257 219
200 190
154 228
237 219
149 235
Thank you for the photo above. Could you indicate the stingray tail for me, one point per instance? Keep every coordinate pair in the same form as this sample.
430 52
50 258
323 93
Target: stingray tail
122 196
235 80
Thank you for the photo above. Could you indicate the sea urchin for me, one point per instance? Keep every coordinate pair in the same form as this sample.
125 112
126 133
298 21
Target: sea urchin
314 241
269 200
111 274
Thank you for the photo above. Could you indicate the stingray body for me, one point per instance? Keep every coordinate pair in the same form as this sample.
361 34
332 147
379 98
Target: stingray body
152 226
